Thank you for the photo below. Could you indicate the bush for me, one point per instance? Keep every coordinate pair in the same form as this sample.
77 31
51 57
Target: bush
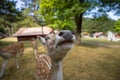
117 26
2 30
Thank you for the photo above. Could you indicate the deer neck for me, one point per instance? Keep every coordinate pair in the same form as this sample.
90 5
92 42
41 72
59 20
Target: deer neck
57 57
56 72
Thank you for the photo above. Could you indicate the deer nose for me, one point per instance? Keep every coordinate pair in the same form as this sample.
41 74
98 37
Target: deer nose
66 35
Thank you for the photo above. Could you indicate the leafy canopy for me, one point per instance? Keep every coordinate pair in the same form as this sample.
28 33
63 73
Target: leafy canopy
8 13
60 13
117 26
101 24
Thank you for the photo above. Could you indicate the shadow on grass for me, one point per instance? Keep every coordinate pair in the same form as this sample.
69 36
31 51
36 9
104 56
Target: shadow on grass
92 45
99 44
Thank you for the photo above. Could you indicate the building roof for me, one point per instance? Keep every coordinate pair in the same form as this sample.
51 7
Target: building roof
33 31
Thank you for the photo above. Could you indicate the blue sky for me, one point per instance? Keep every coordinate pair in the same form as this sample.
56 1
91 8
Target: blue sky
19 3
111 14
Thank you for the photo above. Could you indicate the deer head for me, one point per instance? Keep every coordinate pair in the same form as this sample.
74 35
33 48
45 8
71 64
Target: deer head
57 45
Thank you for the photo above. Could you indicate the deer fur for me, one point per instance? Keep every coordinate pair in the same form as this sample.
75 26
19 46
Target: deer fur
43 67
57 46
11 51
35 47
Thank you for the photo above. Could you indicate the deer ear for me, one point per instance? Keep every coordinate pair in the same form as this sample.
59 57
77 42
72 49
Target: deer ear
41 39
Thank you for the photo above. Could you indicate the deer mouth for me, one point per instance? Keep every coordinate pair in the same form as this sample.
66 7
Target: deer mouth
66 42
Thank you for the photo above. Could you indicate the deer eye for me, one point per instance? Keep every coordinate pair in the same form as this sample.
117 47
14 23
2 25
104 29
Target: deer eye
61 33
73 32
47 38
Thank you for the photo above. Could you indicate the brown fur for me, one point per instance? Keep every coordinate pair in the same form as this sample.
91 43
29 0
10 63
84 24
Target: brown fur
43 67
11 51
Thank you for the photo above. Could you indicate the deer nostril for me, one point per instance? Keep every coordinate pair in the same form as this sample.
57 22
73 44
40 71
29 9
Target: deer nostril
61 33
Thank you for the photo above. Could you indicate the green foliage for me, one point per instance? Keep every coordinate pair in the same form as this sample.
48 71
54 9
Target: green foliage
60 14
57 12
8 13
2 30
63 25
117 26
103 24
29 16
12 17
27 21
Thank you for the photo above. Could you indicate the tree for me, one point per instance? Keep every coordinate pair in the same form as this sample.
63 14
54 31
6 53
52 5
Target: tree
101 24
28 12
54 10
64 10
8 14
117 26
27 21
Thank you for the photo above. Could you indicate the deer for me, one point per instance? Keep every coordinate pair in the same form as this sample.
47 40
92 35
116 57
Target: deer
34 43
10 51
57 46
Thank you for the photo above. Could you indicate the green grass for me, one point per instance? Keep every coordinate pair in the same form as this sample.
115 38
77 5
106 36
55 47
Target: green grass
83 62
100 42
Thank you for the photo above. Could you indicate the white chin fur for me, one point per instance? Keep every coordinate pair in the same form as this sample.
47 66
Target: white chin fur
64 47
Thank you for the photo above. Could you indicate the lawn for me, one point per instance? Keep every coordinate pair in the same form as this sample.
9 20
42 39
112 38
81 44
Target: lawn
88 61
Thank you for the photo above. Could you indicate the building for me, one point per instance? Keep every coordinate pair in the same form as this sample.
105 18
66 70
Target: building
26 34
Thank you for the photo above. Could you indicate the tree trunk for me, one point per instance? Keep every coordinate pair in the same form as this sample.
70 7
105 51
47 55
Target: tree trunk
78 21
12 31
9 31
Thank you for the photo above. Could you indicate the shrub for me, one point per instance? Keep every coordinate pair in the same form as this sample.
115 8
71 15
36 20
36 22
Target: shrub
2 30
